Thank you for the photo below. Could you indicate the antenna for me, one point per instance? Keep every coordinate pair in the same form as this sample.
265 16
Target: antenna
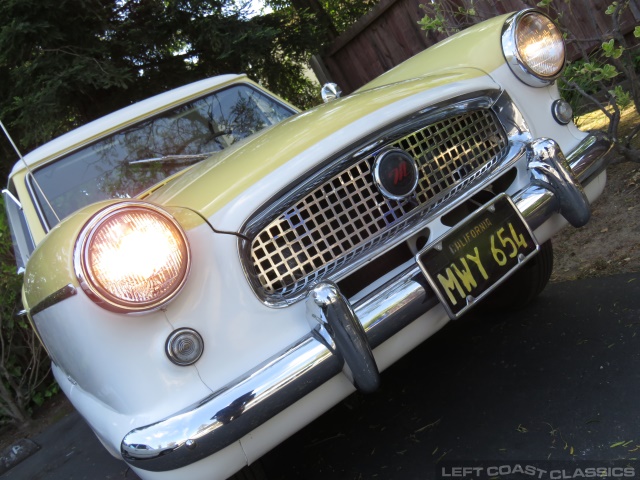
29 170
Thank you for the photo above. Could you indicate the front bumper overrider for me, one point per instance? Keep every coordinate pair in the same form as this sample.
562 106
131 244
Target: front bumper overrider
343 335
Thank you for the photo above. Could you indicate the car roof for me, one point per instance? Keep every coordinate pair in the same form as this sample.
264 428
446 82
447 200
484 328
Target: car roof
119 118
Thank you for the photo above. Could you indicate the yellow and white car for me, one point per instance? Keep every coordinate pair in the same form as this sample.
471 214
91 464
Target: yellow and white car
210 269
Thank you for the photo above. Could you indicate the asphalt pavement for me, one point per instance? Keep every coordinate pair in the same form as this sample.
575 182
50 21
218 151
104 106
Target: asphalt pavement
550 392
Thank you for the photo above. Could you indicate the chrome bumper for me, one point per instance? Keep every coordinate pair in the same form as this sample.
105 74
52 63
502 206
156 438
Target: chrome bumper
342 335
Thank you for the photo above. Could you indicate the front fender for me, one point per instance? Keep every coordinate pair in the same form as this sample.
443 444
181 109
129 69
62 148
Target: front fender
476 47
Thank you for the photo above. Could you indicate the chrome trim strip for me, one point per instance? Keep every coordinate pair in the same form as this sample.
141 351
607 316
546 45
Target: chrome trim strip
58 296
232 412
12 197
21 235
29 177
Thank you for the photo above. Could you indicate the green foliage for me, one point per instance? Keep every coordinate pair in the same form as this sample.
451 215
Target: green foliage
436 22
46 393
611 8
610 50
447 17
621 96
588 73
585 77
338 15
56 77
344 14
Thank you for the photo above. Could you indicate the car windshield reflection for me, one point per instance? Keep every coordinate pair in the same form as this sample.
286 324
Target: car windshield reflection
134 159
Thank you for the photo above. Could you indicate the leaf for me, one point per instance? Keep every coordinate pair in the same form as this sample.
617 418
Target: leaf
38 399
610 49
618 444
636 32
622 97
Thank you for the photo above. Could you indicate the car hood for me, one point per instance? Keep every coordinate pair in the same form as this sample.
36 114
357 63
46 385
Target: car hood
214 183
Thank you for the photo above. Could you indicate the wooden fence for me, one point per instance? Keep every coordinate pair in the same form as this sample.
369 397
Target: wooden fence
390 33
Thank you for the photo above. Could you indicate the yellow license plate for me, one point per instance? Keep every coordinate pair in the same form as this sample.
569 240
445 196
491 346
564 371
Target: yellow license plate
477 255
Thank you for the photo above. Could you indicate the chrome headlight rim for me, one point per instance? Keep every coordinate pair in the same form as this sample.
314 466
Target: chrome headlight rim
515 61
91 286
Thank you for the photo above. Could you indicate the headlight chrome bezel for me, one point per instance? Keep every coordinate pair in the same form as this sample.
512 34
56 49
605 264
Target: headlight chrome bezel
514 59
92 286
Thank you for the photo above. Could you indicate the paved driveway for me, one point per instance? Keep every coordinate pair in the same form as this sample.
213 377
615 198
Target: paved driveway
557 382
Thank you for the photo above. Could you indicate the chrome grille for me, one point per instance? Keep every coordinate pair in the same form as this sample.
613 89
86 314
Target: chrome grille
346 215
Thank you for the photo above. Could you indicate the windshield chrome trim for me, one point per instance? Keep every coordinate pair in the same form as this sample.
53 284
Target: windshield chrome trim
21 235
13 198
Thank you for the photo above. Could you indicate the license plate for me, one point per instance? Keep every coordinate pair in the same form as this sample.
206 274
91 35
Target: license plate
478 254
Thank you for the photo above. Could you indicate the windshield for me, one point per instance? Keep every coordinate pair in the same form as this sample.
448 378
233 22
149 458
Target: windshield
130 161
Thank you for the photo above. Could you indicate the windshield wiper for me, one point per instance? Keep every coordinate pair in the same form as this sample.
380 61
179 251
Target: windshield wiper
173 158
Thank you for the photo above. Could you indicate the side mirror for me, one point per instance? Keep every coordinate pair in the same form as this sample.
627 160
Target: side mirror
330 91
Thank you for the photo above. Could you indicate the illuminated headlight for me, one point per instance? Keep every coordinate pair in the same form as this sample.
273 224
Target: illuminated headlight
534 48
132 257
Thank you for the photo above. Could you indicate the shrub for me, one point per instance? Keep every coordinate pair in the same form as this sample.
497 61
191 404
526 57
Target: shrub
25 372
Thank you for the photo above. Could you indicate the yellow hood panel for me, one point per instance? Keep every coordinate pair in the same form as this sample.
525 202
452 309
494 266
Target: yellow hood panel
208 186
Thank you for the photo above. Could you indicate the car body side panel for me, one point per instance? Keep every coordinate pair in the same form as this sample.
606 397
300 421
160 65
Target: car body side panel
126 370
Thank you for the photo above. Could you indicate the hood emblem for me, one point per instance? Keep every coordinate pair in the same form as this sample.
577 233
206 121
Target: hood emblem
395 173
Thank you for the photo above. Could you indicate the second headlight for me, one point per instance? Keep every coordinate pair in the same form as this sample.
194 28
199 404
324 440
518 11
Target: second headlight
534 48
132 257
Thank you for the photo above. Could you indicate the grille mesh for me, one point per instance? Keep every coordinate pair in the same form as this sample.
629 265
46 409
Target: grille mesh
347 215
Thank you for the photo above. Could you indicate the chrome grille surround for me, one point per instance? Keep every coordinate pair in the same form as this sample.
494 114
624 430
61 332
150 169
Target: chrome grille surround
337 216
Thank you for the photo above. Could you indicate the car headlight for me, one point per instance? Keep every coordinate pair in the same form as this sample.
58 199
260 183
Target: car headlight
132 257
533 47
